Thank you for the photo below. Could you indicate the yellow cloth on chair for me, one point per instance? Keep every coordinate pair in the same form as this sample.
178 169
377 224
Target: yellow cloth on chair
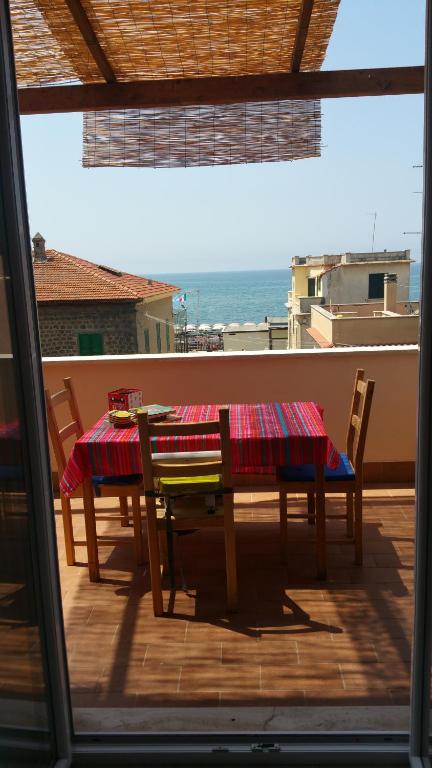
175 486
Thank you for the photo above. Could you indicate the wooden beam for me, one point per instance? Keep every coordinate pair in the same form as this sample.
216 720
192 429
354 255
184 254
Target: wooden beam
83 23
222 90
301 34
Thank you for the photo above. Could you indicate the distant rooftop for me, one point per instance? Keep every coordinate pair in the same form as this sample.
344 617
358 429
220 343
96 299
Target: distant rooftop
336 259
60 277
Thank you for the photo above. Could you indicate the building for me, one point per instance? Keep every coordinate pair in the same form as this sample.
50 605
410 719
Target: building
90 309
341 279
251 337
348 325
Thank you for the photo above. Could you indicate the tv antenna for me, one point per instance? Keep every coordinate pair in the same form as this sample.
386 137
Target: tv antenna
374 214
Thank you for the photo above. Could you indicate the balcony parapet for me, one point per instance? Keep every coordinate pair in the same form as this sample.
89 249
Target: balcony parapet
324 375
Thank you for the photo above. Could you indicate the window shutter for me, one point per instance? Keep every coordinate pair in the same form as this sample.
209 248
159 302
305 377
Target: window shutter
376 285
90 344
147 341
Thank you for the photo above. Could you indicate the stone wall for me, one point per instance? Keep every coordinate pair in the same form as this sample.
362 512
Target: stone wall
61 324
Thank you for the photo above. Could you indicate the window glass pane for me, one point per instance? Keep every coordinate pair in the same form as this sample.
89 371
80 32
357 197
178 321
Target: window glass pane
22 688
301 653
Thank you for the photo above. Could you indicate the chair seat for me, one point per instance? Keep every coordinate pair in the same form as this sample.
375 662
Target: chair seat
98 480
185 486
305 473
11 472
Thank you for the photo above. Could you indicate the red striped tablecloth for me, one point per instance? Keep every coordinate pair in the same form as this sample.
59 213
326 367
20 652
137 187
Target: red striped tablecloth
263 437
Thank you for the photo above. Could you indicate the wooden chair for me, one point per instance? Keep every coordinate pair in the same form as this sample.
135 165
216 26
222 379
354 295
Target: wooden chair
183 482
346 478
121 487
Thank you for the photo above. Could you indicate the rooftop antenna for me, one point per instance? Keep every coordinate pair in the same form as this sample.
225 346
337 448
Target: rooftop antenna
374 214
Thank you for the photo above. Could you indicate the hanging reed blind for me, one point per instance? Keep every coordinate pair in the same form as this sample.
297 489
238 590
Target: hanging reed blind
210 135
165 39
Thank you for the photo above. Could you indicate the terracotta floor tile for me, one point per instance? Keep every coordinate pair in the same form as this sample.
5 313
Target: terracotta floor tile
377 676
295 640
262 698
260 653
342 697
390 650
196 676
148 678
179 699
336 653
301 676
181 653
235 633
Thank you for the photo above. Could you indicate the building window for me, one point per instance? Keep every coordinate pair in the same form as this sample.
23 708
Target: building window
311 286
90 343
167 336
146 341
376 286
158 338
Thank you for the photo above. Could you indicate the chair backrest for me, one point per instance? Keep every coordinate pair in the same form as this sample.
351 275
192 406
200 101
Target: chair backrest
359 419
59 434
220 465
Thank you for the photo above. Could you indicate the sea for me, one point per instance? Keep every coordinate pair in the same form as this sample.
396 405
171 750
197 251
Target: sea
241 297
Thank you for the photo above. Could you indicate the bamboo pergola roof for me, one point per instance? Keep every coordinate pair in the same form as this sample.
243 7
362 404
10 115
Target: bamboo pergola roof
58 42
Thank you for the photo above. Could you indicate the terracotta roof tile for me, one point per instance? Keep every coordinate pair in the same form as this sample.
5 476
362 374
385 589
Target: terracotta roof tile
63 277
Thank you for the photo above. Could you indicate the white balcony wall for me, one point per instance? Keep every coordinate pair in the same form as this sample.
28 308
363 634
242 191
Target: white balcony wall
325 376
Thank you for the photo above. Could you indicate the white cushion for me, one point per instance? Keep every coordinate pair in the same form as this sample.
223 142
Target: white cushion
184 456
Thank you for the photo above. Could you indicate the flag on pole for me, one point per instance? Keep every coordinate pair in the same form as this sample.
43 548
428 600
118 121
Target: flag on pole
181 300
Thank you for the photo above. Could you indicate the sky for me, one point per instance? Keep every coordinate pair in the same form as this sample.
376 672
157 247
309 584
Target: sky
250 216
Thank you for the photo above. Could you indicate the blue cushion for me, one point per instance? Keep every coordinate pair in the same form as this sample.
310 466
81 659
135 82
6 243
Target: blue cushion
11 472
113 480
305 473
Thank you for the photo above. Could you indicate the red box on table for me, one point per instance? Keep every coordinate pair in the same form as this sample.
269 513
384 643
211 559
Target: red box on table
124 399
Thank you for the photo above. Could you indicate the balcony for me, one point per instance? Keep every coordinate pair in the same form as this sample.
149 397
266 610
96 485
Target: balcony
297 644
365 323
300 654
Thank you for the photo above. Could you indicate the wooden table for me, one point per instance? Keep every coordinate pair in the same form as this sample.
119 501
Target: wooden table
263 437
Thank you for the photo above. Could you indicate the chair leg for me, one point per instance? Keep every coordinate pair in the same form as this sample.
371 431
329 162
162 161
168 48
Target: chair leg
163 550
230 553
154 558
170 544
358 526
138 533
124 511
311 508
350 515
283 524
320 523
90 528
68 530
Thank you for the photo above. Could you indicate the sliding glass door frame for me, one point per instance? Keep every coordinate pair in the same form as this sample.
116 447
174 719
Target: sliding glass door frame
29 390
421 659
197 749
